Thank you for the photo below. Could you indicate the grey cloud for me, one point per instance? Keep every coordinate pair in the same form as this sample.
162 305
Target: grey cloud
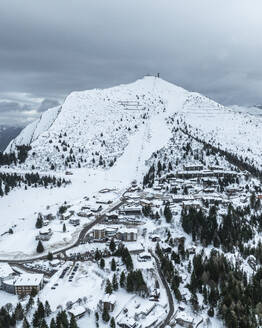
14 107
46 104
50 48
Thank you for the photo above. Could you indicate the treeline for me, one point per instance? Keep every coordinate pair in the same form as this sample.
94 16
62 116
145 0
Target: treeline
226 287
10 318
9 181
233 230
16 157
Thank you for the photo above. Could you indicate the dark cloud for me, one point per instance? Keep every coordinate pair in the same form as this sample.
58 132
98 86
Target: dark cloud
50 48
46 104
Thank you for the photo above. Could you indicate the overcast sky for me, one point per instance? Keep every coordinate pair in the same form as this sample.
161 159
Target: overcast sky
51 47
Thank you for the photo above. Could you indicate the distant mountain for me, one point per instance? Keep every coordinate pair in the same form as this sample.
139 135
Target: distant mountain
7 133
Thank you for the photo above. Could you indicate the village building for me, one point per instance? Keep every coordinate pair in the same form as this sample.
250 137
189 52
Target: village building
99 233
126 234
55 263
74 222
108 303
215 168
127 322
111 218
184 320
131 210
25 283
209 190
77 312
111 232
209 182
85 214
44 234
144 257
191 204
6 273
106 202
154 295
96 208
181 198
194 167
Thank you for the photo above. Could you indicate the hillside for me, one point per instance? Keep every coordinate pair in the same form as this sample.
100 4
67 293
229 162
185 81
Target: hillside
93 128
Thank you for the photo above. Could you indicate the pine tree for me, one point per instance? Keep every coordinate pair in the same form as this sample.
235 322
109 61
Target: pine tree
19 313
113 265
41 310
129 283
97 316
33 292
105 315
25 323
52 323
44 324
36 320
112 323
167 213
97 255
108 289
122 279
112 245
47 309
50 256
102 263
73 323
115 282
40 247
39 222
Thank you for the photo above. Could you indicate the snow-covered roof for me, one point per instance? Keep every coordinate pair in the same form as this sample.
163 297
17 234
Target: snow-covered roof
28 279
109 298
128 321
184 316
5 270
126 230
44 231
78 310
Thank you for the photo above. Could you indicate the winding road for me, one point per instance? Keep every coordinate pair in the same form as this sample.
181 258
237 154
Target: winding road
168 292
81 236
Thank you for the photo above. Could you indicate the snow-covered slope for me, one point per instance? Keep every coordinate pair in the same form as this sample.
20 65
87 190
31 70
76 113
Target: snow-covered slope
93 128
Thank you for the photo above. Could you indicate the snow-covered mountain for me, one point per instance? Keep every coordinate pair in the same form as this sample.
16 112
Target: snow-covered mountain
93 128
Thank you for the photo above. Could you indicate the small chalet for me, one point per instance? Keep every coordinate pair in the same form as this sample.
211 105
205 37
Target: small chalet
6 273
127 322
108 303
96 208
155 294
144 257
184 320
74 222
44 234
77 312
